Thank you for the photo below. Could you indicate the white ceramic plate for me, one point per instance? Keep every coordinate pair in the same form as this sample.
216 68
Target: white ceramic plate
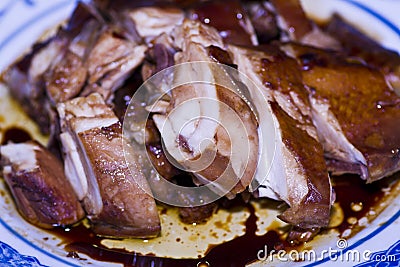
23 21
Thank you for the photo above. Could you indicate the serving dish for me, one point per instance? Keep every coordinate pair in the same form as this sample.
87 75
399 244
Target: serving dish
25 21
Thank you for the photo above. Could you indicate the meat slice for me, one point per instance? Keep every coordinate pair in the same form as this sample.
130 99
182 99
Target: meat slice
357 44
116 195
291 165
52 71
263 19
198 214
199 111
355 111
25 81
293 20
110 62
36 179
153 21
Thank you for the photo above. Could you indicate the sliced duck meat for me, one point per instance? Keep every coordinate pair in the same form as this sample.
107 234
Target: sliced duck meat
53 71
42 193
116 195
199 112
158 57
25 81
228 17
355 111
66 78
291 167
153 21
110 62
123 95
294 22
357 44
263 19
198 214
156 152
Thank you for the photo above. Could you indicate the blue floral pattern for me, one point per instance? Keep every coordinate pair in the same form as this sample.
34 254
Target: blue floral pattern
385 258
10 257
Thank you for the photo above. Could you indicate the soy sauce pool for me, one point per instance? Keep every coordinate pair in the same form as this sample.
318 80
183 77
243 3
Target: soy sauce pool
238 252
15 135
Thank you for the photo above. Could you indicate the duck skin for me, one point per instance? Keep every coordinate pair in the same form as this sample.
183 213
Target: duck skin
36 179
116 196
355 111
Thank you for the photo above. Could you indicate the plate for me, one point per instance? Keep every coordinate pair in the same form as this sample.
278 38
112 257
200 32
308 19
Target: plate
22 22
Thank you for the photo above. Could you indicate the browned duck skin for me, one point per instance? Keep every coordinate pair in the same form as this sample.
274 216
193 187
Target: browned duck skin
193 38
263 19
298 173
116 196
36 179
110 62
355 111
53 71
293 20
357 44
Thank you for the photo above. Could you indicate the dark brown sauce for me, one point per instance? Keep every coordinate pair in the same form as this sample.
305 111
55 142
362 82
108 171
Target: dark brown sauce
351 190
237 252
227 17
15 135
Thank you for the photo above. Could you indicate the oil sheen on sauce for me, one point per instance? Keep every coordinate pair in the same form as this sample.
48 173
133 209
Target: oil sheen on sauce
240 251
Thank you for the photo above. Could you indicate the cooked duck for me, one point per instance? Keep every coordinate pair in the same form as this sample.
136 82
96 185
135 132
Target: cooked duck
116 196
357 44
292 165
36 179
294 22
263 19
199 112
53 71
355 112
110 62
153 21
303 112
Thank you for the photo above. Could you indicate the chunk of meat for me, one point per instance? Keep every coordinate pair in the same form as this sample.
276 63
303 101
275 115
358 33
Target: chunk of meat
357 44
263 19
298 235
110 62
66 79
291 165
298 27
153 21
202 102
198 214
156 152
158 58
66 76
124 94
116 195
355 111
36 179
54 71
26 85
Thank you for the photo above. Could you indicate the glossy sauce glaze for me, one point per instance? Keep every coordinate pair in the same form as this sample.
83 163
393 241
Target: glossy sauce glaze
350 190
80 240
358 199
15 135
